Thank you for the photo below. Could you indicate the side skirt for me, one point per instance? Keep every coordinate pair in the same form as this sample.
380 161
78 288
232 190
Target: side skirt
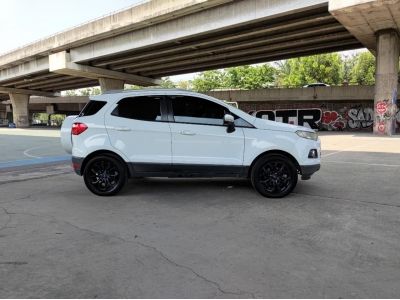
186 170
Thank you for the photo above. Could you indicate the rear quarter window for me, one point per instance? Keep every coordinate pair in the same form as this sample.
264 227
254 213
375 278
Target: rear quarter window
92 108
143 108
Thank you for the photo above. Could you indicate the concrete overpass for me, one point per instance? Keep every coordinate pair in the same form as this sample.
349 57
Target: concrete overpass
168 37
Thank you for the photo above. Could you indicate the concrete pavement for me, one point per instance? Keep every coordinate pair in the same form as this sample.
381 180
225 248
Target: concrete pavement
337 235
25 144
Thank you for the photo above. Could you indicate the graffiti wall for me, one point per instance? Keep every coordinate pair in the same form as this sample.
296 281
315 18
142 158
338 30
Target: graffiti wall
322 116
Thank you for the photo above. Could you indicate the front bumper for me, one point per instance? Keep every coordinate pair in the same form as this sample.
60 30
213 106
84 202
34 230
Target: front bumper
307 171
77 164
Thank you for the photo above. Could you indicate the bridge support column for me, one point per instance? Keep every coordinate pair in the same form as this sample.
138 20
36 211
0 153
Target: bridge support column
386 79
20 109
108 84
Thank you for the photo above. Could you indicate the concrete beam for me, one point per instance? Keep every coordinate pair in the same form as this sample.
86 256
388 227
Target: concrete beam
58 100
248 51
233 45
363 18
25 69
29 80
286 27
66 82
7 90
33 84
226 16
61 63
256 58
107 84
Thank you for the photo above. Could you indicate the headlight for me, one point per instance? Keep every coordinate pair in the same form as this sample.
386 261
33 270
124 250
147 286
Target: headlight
307 135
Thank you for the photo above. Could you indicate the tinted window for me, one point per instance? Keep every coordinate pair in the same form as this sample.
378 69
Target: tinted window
197 111
139 108
92 107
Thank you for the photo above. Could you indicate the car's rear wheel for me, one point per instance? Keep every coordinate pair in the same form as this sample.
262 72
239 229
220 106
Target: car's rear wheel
274 176
105 175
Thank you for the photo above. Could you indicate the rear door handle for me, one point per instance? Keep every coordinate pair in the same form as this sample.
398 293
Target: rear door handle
186 132
122 128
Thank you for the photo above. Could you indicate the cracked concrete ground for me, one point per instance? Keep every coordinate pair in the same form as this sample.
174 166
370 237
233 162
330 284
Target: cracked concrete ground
337 235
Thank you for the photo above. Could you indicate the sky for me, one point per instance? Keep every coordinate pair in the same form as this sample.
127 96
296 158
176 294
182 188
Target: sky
25 21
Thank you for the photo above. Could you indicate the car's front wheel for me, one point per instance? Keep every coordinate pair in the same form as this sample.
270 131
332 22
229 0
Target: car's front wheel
105 175
274 176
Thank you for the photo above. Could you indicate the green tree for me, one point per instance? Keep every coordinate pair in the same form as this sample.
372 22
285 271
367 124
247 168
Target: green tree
84 92
348 66
327 68
250 77
167 83
209 80
71 93
89 91
243 77
184 84
363 71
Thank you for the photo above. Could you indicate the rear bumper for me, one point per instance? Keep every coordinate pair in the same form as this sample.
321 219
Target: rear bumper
77 164
307 171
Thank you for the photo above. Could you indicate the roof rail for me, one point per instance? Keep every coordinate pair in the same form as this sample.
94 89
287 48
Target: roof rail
144 89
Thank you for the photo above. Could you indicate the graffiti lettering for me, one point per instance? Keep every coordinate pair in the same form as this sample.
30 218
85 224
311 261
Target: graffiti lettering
265 114
360 117
303 117
286 116
354 118
311 117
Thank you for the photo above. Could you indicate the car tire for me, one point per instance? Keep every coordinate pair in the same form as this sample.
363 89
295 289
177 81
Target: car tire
274 176
105 175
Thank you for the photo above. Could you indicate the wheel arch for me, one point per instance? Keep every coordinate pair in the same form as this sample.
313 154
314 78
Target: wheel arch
107 153
269 152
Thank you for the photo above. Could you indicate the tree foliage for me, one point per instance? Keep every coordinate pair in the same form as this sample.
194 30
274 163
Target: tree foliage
327 68
363 69
210 80
243 77
251 77
167 83
84 92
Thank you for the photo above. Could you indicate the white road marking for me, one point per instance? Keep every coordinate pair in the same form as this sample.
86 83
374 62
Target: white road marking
360 163
26 152
329 154
344 150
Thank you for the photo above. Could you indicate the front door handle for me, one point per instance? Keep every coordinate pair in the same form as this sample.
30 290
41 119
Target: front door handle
186 132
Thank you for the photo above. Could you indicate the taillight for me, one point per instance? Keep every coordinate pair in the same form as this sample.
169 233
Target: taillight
78 128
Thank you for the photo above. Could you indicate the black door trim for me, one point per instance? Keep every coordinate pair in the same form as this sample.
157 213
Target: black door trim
186 170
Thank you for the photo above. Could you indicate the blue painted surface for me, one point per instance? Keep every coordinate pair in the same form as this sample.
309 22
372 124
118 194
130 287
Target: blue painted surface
35 161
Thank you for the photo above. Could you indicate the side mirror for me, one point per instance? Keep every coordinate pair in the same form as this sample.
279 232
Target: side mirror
229 121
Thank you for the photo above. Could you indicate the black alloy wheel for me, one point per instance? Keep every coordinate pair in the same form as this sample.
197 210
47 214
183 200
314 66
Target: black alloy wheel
105 175
274 176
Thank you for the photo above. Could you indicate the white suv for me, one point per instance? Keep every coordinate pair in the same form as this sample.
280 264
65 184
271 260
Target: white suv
178 133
